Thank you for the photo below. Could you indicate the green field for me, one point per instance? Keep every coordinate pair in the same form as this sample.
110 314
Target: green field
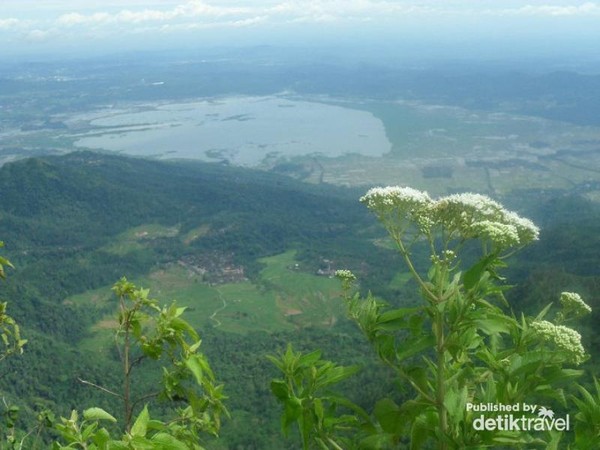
284 298
134 239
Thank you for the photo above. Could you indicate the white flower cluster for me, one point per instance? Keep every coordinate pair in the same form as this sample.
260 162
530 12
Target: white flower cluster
572 302
345 275
526 229
465 215
404 203
446 257
394 196
502 234
474 215
475 204
564 338
449 255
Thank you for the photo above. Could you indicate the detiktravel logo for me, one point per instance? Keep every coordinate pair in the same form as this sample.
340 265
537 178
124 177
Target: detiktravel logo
517 417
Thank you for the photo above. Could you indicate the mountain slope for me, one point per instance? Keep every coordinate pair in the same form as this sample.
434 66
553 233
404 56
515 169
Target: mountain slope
75 224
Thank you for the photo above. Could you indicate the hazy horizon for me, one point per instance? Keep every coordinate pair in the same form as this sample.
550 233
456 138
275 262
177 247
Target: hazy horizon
563 32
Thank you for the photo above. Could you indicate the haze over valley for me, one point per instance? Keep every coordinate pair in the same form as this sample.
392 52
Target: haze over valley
462 127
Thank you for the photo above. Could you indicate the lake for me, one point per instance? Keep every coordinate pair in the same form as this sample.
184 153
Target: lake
245 131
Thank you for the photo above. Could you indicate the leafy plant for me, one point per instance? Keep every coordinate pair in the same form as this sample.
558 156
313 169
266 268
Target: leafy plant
322 416
10 333
12 344
459 346
147 331
587 425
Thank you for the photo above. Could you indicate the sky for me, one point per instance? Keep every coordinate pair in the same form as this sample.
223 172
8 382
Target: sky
504 26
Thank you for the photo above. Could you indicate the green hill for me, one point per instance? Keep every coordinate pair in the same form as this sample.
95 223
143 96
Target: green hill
249 253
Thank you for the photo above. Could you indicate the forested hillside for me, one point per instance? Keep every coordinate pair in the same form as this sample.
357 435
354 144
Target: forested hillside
249 253
72 225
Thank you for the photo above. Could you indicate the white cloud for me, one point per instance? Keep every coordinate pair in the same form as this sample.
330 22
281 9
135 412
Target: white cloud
192 10
37 35
542 10
111 17
147 15
197 8
251 21
11 22
346 8
200 12
560 10
76 18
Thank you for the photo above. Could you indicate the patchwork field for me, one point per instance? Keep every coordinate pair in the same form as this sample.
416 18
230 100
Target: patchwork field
443 148
283 299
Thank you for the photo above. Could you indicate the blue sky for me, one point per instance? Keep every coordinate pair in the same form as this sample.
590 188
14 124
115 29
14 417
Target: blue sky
31 26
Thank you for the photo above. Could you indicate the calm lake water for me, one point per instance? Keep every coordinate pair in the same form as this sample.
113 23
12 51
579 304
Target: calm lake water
243 130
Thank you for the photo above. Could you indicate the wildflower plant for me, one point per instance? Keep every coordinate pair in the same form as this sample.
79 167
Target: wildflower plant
460 344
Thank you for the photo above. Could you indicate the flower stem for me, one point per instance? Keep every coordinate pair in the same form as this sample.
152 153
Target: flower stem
441 377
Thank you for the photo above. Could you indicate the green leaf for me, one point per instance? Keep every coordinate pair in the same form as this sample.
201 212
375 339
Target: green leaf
140 426
319 410
455 403
309 359
543 312
141 443
200 368
194 347
495 323
473 275
175 311
152 349
280 389
418 375
396 319
555 441
194 365
97 414
101 438
377 442
168 442
179 324
415 345
335 374
385 346
506 439
358 412
88 430
421 431
389 416
292 411
276 361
